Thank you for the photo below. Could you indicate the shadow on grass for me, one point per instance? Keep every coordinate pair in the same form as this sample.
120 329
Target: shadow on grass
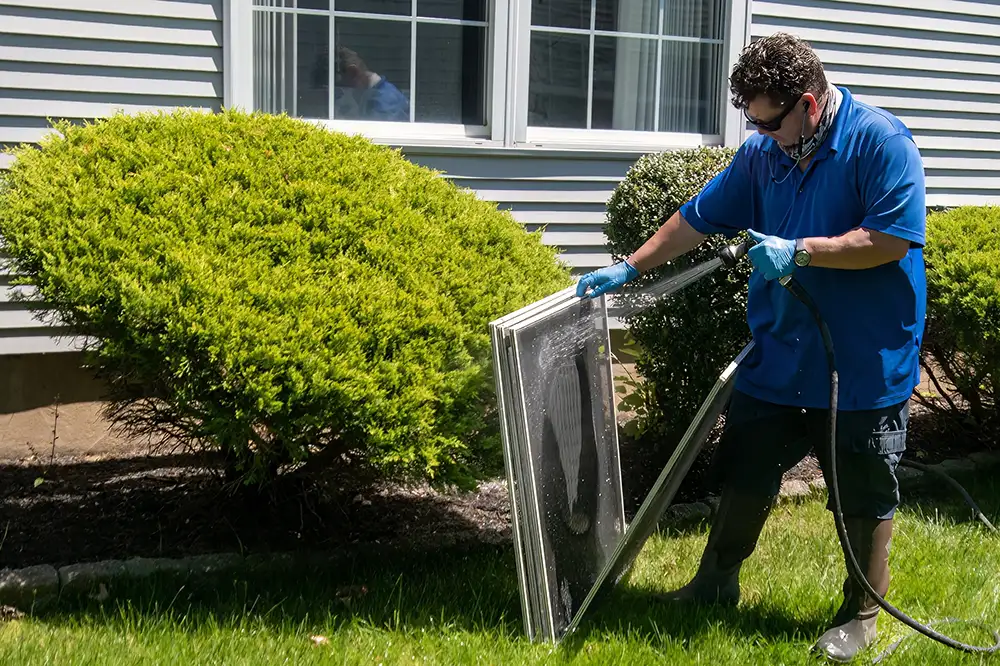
640 615
469 588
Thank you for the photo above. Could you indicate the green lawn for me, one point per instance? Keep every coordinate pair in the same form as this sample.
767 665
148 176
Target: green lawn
463 608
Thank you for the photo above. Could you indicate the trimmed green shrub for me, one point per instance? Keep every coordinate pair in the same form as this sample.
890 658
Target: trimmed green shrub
261 286
962 341
688 338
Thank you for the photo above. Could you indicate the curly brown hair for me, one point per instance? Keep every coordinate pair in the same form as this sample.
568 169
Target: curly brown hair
781 66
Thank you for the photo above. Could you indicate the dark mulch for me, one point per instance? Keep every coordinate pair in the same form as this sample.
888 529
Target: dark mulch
172 506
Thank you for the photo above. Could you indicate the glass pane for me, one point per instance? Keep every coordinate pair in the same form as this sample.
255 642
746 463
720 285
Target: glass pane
314 4
467 10
313 75
692 90
372 73
568 450
614 15
628 16
403 7
624 84
561 13
451 74
702 18
274 73
557 80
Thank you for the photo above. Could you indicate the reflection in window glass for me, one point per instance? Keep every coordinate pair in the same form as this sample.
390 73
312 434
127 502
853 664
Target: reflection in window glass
372 73
451 71
373 70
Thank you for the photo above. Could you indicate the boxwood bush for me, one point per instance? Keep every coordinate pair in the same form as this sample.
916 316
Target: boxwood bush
261 286
962 341
687 339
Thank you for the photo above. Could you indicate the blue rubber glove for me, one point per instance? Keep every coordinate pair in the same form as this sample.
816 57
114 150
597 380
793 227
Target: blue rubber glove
773 256
606 279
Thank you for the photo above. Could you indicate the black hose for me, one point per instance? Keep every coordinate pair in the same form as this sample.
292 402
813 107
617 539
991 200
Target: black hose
854 567
977 512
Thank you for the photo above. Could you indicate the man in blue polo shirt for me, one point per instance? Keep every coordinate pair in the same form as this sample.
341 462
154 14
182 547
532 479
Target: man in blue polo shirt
832 191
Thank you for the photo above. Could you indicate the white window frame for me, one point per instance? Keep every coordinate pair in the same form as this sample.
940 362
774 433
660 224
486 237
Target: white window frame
509 40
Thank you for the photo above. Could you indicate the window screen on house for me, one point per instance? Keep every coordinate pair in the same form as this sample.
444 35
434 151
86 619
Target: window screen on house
635 65
419 61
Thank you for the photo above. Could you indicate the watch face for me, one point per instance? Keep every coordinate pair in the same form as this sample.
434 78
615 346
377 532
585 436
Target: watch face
801 258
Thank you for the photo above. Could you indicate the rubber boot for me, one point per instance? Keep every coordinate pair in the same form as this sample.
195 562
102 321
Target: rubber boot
731 540
854 625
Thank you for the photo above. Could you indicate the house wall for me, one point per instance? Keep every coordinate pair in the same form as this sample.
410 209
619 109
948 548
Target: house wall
935 64
80 59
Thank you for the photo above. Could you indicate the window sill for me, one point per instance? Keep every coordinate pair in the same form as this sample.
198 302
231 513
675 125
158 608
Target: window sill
413 134
617 141
430 137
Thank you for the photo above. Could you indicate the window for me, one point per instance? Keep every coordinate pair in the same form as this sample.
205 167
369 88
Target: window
627 65
402 61
553 73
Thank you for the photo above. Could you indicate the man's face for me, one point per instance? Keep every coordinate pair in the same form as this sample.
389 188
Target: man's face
783 122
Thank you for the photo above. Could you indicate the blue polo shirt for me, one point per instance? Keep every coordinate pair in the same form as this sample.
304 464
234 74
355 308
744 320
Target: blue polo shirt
868 173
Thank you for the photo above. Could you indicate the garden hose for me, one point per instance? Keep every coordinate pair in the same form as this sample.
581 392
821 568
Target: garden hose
802 295
730 256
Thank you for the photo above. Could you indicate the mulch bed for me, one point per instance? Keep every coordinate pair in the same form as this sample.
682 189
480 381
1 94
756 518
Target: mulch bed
174 506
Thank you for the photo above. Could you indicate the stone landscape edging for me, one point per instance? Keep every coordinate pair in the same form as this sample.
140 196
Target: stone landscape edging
38 586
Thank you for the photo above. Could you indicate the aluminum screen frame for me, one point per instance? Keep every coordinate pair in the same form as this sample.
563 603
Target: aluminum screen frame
557 339
550 613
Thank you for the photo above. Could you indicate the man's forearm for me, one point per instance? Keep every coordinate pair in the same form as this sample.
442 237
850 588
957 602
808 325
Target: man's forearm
674 238
858 249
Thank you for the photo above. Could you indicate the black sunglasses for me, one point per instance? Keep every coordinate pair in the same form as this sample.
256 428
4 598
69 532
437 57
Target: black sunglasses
772 125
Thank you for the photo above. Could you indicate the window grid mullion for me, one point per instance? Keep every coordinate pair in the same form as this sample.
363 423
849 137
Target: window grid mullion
660 29
284 64
270 63
413 61
590 62
295 65
331 64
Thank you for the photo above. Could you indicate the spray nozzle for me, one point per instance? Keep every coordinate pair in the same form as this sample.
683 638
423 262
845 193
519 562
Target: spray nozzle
732 254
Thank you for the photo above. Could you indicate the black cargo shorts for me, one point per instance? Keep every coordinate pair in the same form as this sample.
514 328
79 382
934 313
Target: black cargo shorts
762 441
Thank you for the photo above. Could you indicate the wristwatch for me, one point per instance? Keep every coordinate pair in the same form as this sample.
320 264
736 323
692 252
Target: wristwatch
802 256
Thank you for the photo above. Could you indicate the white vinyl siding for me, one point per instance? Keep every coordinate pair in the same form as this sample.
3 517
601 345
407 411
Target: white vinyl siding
84 59
936 65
